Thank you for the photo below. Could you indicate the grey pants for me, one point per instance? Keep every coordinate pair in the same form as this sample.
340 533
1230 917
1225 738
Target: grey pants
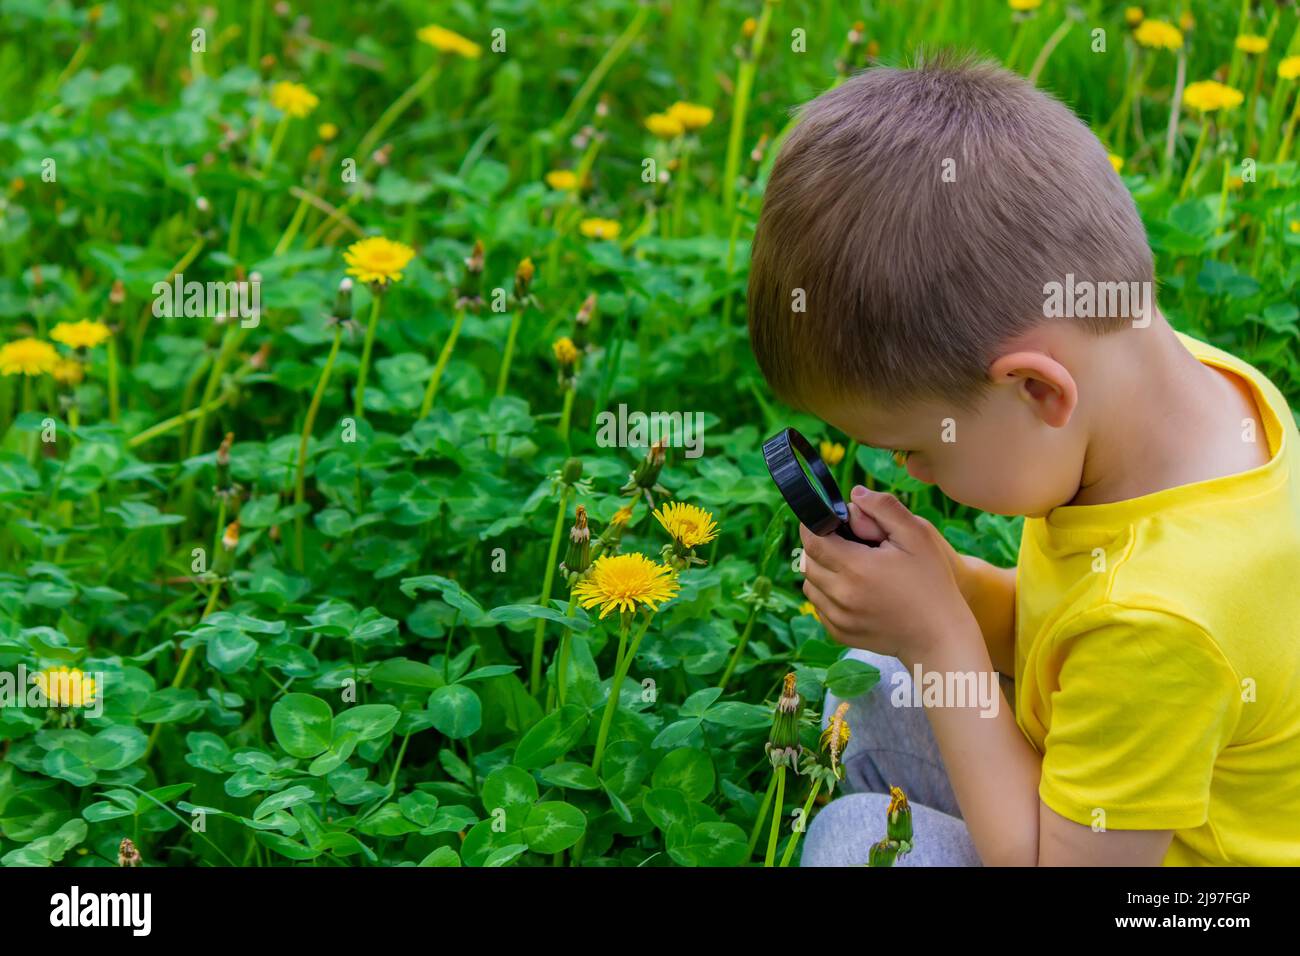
889 746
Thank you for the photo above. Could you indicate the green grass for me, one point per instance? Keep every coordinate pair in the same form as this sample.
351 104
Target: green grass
373 702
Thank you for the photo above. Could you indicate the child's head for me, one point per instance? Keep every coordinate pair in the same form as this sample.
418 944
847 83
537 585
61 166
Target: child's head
911 225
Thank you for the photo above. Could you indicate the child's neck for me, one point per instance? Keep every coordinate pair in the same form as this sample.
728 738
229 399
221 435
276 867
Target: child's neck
1161 418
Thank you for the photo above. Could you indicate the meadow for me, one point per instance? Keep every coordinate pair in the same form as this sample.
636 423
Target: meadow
318 543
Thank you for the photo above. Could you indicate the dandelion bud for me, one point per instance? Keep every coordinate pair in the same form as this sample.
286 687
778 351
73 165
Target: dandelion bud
467 294
572 471
267 62
343 301
582 321
783 742
127 854
647 472
835 739
117 294
612 536
873 49
1133 16
258 358
602 107
566 353
524 278
899 817
749 27
578 558
883 854
383 155
224 485
230 540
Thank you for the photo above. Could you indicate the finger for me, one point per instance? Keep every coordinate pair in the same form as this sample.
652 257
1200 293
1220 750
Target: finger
863 525
899 524
826 609
819 550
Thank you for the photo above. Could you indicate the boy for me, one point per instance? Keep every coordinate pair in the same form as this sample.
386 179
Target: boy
917 231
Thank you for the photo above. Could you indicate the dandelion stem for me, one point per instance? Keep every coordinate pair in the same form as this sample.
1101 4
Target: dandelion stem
565 640
189 653
621 667
307 424
803 823
777 809
358 395
740 105
567 412
597 75
740 648
114 404
548 580
1196 158
396 109
176 421
762 816
503 375
431 392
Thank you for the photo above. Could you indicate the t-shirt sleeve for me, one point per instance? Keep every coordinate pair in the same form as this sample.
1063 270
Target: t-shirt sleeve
1143 704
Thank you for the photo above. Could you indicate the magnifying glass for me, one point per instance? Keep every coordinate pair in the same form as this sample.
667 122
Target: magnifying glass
807 485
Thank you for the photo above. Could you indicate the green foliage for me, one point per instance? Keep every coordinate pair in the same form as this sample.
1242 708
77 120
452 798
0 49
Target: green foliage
372 703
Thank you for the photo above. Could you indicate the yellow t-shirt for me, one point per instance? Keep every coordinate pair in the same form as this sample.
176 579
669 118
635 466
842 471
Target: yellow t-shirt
1158 654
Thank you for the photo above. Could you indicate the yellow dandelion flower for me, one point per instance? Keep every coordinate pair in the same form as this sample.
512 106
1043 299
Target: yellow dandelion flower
80 335
1294 225
449 41
1187 21
68 372
625 582
689 525
1117 162
66 687
897 801
327 132
600 228
566 353
807 607
1133 16
379 260
623 515
1208 96
664 125
30 357
835 738
565 180
293 99
1289 68
1158 35
692 116
832 452
1250 43
1021 6
749 27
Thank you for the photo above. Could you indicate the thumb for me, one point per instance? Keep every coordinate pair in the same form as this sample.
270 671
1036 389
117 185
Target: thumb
888 515
863 525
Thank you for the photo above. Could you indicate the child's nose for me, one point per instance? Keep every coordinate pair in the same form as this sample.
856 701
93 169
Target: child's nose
919 470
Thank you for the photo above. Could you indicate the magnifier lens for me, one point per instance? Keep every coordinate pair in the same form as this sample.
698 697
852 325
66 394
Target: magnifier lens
812 478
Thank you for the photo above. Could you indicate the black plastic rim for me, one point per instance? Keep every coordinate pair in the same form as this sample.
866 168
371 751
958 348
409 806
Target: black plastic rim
809 507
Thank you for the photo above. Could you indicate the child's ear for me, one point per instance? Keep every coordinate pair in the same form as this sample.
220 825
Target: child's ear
1041 382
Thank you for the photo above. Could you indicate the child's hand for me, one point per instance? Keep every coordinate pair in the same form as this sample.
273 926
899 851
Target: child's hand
898 599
